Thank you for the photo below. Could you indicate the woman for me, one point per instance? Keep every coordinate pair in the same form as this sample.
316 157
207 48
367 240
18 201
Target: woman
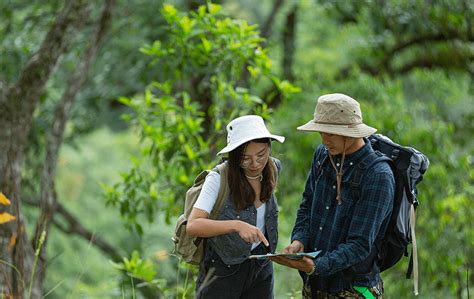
248 221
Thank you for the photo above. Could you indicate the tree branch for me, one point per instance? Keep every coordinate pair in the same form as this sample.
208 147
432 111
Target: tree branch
384 66
465 6
37 71
289 38
273 95
16 108
265 33
75 227
267 26
431 63
423 39
62 111
55 138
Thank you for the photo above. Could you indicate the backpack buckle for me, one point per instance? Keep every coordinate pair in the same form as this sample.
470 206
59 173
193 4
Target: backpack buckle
395 153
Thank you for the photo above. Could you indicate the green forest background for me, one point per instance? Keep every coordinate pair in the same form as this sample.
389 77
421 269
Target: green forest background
151 114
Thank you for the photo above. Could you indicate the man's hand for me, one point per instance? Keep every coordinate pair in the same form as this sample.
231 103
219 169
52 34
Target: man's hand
294 247
305 264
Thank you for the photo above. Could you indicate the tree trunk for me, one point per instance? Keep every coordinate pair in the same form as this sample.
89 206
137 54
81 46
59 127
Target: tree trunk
289 37
273 95
265 32
17 105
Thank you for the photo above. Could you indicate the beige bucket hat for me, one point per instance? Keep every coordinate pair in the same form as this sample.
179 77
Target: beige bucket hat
338 114
244 129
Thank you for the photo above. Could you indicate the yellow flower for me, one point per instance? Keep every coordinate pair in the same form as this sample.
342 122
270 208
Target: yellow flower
161 255
4 200
6 217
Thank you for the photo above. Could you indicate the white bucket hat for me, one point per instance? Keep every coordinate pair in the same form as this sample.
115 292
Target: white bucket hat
244 129
338 114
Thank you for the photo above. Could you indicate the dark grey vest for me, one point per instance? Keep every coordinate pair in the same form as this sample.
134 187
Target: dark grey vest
231 248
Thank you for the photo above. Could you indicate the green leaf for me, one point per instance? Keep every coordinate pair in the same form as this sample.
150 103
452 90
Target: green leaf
186 24
189 152
126 101
206 45
213 8
201 10
254 71
169 10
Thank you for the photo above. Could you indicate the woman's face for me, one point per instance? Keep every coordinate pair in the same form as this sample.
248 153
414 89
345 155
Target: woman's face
255 158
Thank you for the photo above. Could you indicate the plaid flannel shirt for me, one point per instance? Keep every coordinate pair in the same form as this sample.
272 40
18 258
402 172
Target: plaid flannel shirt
344 233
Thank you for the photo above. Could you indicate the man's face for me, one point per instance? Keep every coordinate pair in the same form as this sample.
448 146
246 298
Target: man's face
335 143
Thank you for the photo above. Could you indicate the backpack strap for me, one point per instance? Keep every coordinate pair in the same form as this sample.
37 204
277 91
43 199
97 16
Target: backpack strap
277 167
355 189
223 190
362 167
414 251
413 263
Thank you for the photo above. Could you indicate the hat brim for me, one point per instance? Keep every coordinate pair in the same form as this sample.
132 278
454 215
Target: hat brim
230 147
358 131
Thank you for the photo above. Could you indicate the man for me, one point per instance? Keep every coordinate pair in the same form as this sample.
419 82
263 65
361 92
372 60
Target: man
345 225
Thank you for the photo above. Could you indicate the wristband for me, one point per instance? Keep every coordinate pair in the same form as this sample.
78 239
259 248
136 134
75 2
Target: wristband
312 270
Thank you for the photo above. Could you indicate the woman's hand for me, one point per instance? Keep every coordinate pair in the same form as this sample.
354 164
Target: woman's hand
250 233
200 226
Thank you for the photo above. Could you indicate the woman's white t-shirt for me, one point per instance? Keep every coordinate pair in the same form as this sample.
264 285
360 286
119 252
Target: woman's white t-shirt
208 197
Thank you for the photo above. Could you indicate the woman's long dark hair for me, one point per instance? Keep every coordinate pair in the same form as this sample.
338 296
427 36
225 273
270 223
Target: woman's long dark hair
241 191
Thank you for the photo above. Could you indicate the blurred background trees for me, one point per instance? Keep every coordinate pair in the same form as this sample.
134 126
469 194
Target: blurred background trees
109 111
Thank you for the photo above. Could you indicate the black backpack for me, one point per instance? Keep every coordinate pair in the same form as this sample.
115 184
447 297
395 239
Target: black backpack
408 166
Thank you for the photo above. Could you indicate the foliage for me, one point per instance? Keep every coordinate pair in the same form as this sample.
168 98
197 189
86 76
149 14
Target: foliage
76 269
408 63
172 148
180 116
404 35
420 120
37 252
22 27
20 37
426 108
143 271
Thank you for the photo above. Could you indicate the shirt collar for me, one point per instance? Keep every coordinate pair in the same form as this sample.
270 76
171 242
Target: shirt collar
356 156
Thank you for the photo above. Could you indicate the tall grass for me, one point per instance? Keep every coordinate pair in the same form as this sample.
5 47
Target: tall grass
35 263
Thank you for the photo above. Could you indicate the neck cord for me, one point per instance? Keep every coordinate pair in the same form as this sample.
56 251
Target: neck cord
339 173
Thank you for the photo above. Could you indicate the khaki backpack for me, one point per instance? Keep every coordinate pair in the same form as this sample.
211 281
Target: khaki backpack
191 249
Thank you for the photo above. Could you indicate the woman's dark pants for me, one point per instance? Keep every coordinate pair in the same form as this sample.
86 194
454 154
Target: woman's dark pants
251 279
